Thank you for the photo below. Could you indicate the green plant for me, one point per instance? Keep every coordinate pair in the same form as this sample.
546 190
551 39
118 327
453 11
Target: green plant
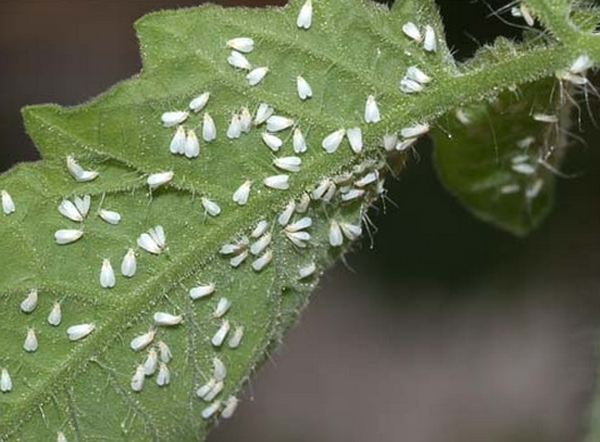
353 49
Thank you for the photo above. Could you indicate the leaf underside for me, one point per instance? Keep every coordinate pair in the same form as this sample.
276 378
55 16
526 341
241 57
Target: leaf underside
83 388
353 49
499 161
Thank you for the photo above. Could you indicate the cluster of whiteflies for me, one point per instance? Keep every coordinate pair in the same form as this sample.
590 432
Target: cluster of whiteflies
360 185
529 165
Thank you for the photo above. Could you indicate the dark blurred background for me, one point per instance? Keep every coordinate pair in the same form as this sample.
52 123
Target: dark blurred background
443 330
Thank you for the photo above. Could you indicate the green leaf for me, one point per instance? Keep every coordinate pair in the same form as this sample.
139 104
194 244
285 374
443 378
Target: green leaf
499 161
354 49
83 388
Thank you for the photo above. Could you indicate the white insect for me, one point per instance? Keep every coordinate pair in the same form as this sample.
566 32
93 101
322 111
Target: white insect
414 131
8 205
216 390
154 241
277 123
332 141
67 209
509 189
526 142
303 204
231 404
260 229
299 239
166 319
77 172
79 331
330 193
263 112
371 110
67 236
289 164
164 352
137 381
273 142
354 135
352 194
389 142
415 74
245 120
301 224
321 189
210 410
405 144
198 103
520 158
523 11
221 308
206 388
241 44
409 86
110 216
307 270
129 264
257 75
212 208
412 31
367 179
581 64
5 381
240 196
55 315
534 190
151 362
107 274
336 238
60 437
298 141
351 231
142 341
221 334
238 259
304 20
237 60
158 179
174 118
430 40
202 291
261 262
30 302
261 244
83 204
523 168
546 118
219 369
31 342
164 375
304 89
209 130
463 117
236 338
278 182
286 215
191 147
234 130
241 245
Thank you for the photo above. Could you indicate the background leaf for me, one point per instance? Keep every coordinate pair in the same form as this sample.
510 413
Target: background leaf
499 161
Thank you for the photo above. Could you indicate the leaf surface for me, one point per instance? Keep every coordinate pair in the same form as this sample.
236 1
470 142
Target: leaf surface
83 388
